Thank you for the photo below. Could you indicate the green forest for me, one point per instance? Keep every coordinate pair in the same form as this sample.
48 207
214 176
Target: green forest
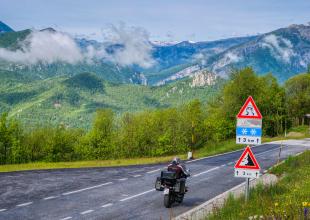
73 100
161 131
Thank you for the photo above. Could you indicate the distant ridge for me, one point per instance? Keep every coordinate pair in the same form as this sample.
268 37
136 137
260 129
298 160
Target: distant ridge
5 28
284 52
49 29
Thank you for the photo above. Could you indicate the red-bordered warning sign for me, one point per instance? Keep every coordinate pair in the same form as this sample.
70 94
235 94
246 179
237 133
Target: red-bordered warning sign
249 110
247 160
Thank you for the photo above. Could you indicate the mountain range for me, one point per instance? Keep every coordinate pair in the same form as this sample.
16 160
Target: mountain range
284 52
67 82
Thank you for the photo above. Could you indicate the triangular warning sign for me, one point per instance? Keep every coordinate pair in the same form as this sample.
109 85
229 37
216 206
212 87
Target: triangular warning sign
249 110
247 160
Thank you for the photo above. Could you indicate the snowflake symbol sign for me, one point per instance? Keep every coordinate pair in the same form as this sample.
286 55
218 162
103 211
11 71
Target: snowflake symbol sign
244 131
253 132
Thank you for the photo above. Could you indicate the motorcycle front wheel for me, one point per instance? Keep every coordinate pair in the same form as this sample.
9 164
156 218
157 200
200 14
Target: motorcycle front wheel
180 198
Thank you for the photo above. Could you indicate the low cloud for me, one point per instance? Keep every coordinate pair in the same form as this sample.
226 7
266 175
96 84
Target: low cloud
46 47
122 45
134 46
228 58
280 47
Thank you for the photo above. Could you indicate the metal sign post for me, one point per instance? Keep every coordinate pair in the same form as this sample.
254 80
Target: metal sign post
247 189
248 131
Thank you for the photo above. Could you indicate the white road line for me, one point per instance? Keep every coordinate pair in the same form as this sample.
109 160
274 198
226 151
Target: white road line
207 171
137 175
86 212
24 204
153 171
69 217
107 205
51 197
123 179
267 151
134 196
136 171
223 165
2 210
92 187
230 163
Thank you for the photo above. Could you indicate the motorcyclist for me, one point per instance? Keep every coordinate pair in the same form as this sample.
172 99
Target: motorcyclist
178 168
181 172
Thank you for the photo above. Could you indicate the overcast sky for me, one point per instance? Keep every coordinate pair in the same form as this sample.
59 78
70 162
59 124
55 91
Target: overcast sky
173 20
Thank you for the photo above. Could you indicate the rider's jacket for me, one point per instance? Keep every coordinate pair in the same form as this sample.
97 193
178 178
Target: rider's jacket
178 169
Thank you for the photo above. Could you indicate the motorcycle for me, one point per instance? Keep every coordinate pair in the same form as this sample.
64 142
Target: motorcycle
174 188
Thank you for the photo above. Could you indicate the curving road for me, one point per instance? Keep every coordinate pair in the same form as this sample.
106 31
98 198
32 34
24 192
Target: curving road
123 192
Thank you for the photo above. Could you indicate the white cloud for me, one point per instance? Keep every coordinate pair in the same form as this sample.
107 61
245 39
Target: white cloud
228 58
46 47
280 47
136 47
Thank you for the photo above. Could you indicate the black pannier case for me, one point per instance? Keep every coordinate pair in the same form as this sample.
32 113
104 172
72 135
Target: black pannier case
168 177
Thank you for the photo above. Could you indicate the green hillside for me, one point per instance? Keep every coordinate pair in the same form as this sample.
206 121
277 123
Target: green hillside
10 39
73 100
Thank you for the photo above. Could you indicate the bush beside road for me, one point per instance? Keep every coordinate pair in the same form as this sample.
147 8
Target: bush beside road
208 150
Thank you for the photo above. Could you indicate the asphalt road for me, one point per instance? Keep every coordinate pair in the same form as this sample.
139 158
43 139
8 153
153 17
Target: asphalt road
122 192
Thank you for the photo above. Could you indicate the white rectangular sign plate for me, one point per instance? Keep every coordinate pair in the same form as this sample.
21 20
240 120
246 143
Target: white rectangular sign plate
246 173
249 131
248 140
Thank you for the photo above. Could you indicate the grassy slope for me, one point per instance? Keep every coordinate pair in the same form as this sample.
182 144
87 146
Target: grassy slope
288 199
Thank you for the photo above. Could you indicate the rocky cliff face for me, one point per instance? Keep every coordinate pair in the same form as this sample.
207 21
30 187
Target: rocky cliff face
203 78
179 75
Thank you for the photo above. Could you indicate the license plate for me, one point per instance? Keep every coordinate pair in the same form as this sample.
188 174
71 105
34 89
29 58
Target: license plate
166 191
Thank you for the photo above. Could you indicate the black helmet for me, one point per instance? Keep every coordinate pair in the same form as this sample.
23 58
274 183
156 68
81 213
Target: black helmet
176 161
